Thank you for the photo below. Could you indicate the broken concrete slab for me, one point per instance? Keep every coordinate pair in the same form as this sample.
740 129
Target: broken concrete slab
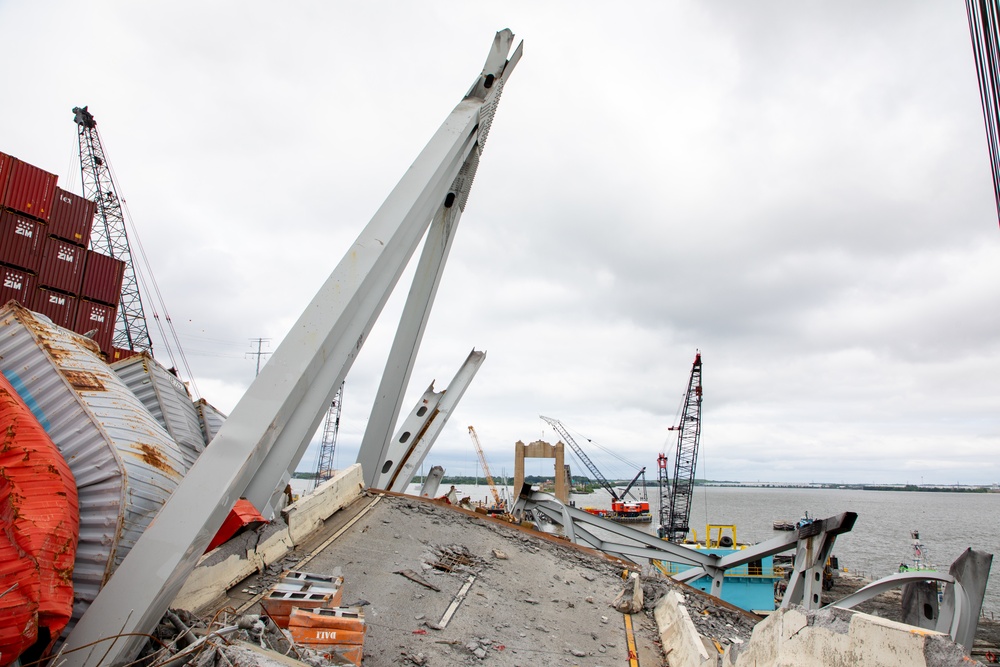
408 533
681 641
834 636
253 551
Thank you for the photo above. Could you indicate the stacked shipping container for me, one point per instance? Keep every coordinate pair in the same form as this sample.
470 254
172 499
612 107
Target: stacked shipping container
44 261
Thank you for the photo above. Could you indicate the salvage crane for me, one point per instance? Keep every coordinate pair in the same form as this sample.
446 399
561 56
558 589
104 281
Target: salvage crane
499 504
621 510
109 236
328 445
674 526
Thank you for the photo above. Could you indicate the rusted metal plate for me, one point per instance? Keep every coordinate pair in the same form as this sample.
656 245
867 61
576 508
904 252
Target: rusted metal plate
72 217
21 241
167 399
125 464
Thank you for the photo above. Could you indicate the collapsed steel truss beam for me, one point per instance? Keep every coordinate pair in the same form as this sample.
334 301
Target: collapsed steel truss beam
813 543
270 427
625 542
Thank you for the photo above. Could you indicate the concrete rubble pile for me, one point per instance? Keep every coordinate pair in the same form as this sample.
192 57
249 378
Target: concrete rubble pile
439 585
426 583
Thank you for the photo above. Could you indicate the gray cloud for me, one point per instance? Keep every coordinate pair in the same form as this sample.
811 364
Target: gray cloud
801 192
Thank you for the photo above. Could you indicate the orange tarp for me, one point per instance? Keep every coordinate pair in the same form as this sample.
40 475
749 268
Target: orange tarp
39 529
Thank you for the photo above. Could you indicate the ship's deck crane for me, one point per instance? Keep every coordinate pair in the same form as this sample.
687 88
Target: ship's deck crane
499 503
675 528
108 236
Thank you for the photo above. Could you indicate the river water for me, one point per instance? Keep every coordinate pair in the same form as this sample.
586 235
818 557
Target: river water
948 523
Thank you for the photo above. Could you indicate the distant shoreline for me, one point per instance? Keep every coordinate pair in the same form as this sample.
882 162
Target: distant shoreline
585 483
860 487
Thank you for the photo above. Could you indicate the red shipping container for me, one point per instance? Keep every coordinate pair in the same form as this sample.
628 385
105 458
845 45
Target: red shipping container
99 318
58 307
72 217
17 285
102 278
119 353
30 190
6 162
21 240
62 265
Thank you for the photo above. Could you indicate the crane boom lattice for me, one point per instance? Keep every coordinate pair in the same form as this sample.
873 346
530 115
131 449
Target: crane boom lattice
109 236
564 434
663 479
689 434
486 468
328 445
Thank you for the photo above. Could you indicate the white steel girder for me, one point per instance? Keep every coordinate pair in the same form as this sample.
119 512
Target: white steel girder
420 429
269 428
267 486
432 482
375 444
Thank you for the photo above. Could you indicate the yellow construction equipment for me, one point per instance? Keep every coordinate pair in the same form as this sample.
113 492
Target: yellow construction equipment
486 471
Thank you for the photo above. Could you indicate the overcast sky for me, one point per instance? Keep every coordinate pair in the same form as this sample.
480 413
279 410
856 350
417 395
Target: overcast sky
799 190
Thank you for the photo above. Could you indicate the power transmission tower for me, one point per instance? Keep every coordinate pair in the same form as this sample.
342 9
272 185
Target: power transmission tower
108 236
259 353
324 464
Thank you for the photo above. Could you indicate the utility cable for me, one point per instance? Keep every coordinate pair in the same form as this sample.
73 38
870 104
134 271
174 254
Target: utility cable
143 269
986 49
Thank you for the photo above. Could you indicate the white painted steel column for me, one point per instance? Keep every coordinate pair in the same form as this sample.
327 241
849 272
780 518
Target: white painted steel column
264 435
266 489
375 444
396 475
